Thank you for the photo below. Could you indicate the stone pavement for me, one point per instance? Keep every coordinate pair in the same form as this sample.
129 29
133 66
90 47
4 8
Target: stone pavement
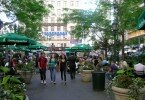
74 90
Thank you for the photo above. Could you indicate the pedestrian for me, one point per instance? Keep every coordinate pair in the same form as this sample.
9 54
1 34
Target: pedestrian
52 67
72 66
63 67
42 64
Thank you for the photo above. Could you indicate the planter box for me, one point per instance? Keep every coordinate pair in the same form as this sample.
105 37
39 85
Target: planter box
121 93
86 75
26 76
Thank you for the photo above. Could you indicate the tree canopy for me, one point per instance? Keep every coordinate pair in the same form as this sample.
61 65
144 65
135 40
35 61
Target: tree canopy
29 13
125 11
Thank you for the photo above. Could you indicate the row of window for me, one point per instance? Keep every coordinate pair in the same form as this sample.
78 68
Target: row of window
64 3
55 28
57 45
52 20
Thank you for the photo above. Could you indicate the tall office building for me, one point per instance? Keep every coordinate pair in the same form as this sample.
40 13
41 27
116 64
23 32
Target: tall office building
55 32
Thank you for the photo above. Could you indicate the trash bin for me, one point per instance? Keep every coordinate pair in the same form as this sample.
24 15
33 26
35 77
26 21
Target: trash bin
98 81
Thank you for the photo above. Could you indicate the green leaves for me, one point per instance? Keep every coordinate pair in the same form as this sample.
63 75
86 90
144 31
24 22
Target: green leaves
4 69
29 13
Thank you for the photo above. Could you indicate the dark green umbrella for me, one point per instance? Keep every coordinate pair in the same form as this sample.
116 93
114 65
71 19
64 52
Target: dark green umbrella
80 48
37 46
13 38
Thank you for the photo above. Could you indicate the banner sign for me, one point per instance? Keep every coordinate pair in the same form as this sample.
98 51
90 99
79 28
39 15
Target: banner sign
54 33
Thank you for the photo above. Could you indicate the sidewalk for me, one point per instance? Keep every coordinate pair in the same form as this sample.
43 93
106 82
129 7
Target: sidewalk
74 90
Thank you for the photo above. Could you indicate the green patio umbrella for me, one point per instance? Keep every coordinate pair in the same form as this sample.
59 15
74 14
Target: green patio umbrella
80 48
15 48
13 38
37 46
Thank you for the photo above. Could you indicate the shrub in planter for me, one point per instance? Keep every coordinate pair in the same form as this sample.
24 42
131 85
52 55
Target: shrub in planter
126 85
26 71
87 68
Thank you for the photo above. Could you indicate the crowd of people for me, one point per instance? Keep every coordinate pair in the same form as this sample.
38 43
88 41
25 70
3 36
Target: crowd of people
64 64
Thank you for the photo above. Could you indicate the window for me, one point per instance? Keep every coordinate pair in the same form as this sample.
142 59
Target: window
52 2
58 12
77 3
65 3
52 19
45 19
64 44
58 3
58 20
58 28
64 28
71 27
61 44
45 28
72 3
52 28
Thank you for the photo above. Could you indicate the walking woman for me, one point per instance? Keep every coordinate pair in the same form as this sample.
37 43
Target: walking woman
63 67
42 64
52 67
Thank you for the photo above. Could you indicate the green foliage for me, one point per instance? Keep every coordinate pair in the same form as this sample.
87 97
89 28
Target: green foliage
28 12
88 65
11 88
4 69
29 66
126 79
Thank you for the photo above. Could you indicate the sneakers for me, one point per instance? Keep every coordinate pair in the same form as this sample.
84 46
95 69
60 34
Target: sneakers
54 82
64 82
41 81
44 82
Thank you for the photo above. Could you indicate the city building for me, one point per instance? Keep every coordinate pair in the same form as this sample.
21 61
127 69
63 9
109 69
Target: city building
54 32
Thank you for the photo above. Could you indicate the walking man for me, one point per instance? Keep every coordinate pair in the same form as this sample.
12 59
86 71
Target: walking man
72 66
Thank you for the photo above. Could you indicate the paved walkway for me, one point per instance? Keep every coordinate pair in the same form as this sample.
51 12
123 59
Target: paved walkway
74 90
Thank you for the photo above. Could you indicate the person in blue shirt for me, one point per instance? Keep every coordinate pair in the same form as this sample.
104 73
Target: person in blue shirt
52 67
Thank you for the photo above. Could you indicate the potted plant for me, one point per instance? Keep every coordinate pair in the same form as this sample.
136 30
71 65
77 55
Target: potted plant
26 71
126 85
11 88
87 69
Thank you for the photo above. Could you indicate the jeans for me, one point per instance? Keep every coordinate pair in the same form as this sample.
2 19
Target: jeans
72 73
63 73
52 73
42 74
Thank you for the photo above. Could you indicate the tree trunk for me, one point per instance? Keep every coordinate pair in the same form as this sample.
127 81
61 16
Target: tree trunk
122 46
105 47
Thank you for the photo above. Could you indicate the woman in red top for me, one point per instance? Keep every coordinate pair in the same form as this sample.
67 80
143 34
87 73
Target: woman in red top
42 63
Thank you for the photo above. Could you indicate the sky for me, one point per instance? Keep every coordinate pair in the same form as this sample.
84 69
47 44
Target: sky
89 4
4 18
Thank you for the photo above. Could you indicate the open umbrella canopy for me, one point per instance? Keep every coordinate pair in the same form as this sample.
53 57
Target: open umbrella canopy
15 48
80 48
37 46
13 38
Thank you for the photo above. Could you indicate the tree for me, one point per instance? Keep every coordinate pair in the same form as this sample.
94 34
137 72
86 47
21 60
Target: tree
126 13
29 13
90 22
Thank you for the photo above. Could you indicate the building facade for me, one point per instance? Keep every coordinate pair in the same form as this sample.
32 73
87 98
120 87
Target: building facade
54 31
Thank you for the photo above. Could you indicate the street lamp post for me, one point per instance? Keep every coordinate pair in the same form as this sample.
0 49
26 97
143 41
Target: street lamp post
115 48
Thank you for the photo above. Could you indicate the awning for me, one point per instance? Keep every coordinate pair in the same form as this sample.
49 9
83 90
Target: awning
141 21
